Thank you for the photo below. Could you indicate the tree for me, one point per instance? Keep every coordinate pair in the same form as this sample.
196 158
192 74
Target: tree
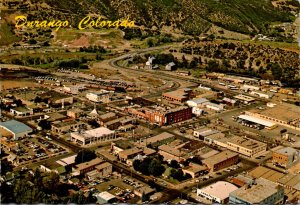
177 174
6 166
155 168
174 164
32 41
136 165
85 156
45 124
145 197
276 70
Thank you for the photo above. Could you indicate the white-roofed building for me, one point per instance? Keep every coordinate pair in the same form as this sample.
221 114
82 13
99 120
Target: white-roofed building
101 134
197 102
217 192
68 161
253 119
105 197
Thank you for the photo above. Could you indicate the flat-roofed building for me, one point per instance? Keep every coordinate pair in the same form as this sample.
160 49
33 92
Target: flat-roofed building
246 146
195 170
267 124
178 96
159 139
88 137
101 96
221 160
218 139
85 167
129 153
203 132
68 161
66 126
106 198
21 111
260 191
284 114
244 98
217 192
196 102
285 157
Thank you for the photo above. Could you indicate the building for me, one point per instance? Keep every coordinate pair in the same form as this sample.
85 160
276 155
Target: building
217 192
218 139
229 102
81 169
170 66
255 120
178 96
53 167
129 154
101 96
249 88
74 89
197 111
285 157
107 117
74 113
221 160
68 161
18 129
195 170
56 98
66 126
101 170
105 198
262 94
120 145
88 137
21 111
196 102
203 132
214 106
158 140
169 116
260 191
144 190
284 114
246 146
244 98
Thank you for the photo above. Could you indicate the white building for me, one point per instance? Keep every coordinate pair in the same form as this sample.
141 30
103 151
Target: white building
262 94
197 111
214 106
170 66
21 111
250 88
102 96
74 89
101 134
196 102
217 192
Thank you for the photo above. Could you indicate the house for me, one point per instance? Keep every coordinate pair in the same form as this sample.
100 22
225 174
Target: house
149 63
170 66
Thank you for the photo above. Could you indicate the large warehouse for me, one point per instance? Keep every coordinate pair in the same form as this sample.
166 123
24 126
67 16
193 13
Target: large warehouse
18 129
256 120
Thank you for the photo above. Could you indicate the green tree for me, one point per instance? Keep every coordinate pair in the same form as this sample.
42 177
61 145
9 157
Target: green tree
85 156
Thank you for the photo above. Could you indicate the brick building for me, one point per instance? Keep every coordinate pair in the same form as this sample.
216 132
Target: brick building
222 160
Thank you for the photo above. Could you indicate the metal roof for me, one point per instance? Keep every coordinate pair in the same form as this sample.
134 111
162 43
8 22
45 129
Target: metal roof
15 126
257 120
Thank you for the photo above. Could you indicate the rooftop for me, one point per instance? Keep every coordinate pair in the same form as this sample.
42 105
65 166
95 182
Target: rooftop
220 157
220 189
286 112
99 131
256 193
160 137
206 131
199 100
105 195
89 164
15 126
59 124
245 142
287 151
257 120
67 161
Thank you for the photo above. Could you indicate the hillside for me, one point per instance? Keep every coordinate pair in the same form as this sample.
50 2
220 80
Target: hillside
189 16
